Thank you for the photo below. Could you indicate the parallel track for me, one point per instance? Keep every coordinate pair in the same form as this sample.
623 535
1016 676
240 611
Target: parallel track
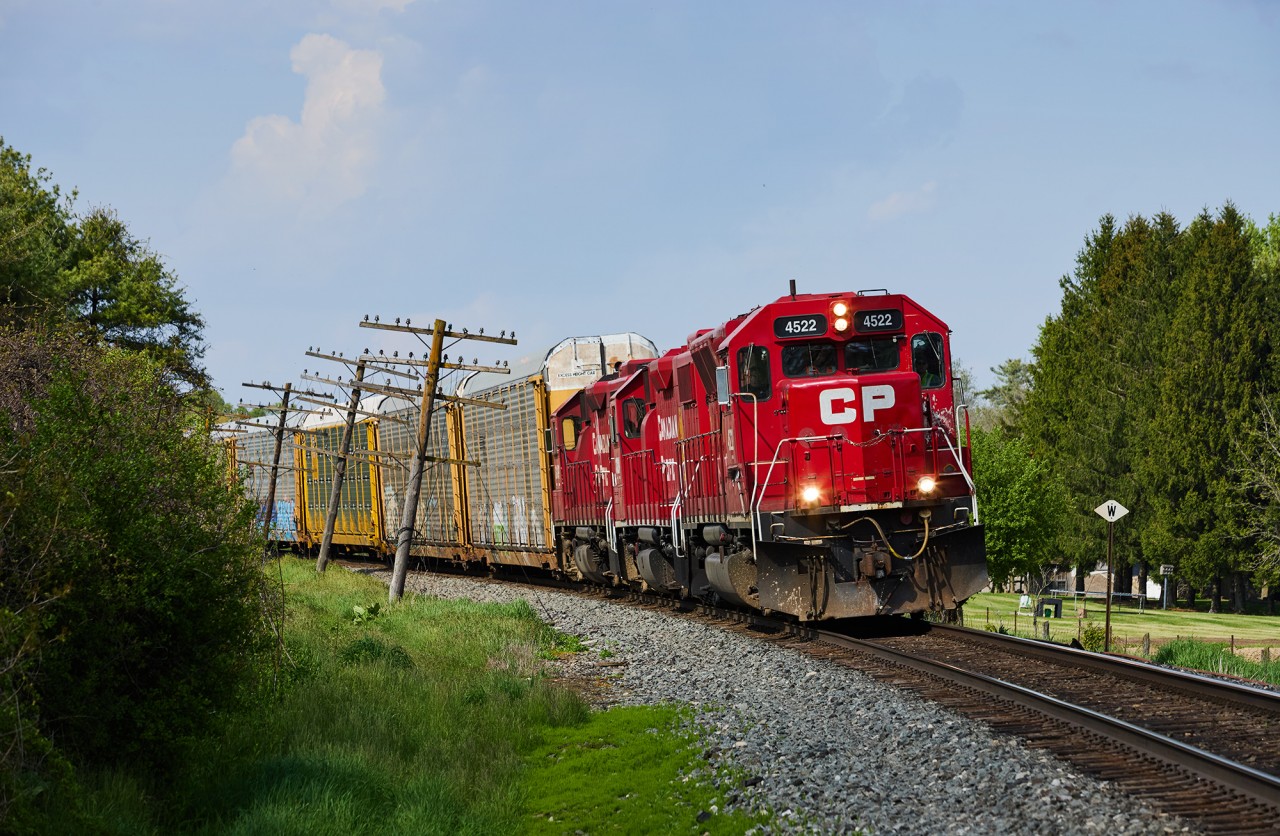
1220 794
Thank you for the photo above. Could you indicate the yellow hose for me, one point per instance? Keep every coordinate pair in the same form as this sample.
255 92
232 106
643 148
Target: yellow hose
889 545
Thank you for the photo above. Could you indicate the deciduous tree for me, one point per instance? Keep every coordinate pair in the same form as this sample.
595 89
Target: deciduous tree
33 236
1022 505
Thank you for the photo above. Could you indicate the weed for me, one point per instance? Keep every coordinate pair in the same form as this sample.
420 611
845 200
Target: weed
553 644
369 649
1093 637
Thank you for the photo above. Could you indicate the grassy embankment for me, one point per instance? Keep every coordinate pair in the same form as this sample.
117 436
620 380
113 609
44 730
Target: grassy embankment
1195 639
432 716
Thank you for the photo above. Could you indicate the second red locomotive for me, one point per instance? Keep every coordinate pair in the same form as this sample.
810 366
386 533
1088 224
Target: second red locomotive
803 458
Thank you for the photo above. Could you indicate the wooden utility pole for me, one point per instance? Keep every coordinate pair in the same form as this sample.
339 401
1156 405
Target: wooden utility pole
344 451
409 514
285 393
431 379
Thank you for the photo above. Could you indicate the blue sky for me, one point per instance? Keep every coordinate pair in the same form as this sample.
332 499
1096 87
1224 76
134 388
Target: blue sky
567 168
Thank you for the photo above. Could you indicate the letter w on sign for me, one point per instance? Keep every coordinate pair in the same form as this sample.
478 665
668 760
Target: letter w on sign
1111 510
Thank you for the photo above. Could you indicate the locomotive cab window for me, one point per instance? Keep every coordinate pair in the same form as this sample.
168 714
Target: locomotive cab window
926 359
632 415
808 359
871 355
569 428
753 371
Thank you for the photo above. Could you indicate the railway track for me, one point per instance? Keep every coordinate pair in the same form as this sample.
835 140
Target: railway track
1203 748
1198 747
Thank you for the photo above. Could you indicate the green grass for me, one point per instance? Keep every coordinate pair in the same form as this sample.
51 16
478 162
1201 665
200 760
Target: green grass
1162 625
1245 633
605 776
1216 658
430 716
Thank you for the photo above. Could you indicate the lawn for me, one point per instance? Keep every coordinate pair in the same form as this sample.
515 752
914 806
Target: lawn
1128 625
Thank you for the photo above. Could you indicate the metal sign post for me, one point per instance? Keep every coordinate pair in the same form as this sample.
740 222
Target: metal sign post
1166 569
1110 511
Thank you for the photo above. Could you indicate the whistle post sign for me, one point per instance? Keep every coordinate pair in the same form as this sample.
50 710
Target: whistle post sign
1111 510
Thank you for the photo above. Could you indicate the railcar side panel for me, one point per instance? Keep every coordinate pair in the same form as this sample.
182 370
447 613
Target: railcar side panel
505 492
254 452
435 523
356 525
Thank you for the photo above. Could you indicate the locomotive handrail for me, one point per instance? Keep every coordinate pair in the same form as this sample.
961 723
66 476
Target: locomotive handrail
955 453
755 521
755 458
675 509
613 529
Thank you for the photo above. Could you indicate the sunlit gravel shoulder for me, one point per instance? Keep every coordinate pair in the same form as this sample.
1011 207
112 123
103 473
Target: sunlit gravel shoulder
827 749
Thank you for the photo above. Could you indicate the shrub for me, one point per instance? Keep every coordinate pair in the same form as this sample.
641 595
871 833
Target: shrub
1093 638
130 566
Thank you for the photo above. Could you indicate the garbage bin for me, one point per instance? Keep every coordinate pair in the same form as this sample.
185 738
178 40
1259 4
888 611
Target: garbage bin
1051 607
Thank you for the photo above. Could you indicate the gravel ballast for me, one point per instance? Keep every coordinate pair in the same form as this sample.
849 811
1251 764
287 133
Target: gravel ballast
826 748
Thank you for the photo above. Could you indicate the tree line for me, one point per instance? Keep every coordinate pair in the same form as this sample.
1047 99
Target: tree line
1156 384
133 609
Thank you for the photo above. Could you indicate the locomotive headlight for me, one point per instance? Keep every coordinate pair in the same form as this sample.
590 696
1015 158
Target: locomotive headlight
839 310
927 484
810 494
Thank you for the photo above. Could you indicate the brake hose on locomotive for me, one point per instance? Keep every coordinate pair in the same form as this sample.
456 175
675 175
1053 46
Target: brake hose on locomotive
923 545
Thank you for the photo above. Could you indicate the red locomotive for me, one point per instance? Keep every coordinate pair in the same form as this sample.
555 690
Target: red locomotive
803 458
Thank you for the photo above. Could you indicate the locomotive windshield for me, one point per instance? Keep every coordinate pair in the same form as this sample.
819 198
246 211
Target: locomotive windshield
808 359
872 355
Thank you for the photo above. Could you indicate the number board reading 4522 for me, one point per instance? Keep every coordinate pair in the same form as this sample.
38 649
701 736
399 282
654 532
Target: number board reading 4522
884 320
808 325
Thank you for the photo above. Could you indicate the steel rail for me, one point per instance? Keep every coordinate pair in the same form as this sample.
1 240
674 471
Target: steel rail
1219 690
1259 786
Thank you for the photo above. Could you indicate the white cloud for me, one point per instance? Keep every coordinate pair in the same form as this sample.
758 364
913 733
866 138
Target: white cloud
370 6
323 159
904 203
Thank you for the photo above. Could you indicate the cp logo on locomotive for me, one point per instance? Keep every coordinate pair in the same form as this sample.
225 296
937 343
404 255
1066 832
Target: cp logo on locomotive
838 406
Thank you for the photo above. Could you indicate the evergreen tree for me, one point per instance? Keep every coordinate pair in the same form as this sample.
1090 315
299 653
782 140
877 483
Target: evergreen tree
1097 378
91 270
1064 421
122 290
1217 363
